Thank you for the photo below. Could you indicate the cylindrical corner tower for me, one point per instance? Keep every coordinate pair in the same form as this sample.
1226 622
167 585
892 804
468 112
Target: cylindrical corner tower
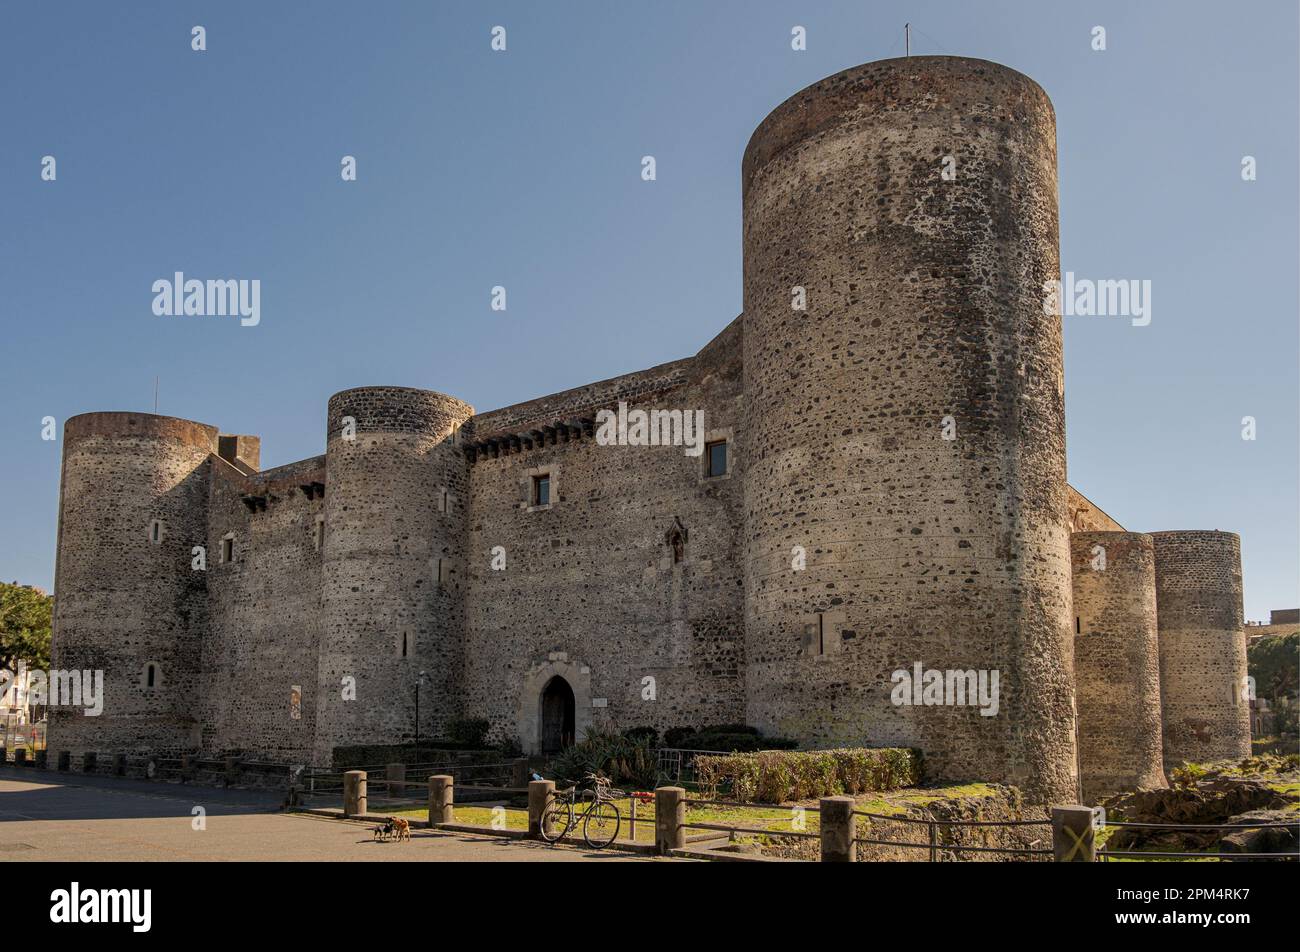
905 492
1116 663
128 600
396 492
1202 647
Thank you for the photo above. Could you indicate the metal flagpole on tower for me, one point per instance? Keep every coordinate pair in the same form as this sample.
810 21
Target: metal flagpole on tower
907 39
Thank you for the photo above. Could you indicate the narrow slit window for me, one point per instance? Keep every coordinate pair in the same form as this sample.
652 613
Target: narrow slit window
717 458
320 534
1077 625
228 550
542 490
403 644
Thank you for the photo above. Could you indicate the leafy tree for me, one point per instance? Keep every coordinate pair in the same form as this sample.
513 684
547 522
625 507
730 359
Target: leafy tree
1275 665
25 621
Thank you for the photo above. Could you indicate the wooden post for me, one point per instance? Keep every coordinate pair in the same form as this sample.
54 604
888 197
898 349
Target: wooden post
670 817
396 774
354 793
441 799
838 842
1072 835
539 794
519 772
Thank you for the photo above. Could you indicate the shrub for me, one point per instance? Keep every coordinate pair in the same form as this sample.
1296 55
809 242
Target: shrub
777 776
648 734
724 737
624 760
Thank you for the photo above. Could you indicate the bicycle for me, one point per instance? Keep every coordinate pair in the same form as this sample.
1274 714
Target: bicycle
600 819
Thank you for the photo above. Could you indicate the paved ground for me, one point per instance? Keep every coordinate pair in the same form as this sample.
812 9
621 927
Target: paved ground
52 816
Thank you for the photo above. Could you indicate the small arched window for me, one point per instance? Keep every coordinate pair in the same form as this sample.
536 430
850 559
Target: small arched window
156 532
152 676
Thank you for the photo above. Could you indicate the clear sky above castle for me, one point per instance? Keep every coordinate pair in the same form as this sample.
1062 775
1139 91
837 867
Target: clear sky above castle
522 169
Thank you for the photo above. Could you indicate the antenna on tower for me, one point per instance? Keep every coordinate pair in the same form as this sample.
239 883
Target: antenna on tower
155 396
907 39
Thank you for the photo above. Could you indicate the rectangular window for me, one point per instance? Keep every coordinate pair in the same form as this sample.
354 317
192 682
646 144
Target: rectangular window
320 534
442 500
542 490
227 550
717 456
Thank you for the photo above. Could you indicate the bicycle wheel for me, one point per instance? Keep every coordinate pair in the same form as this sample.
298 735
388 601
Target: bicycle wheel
600 825
557 819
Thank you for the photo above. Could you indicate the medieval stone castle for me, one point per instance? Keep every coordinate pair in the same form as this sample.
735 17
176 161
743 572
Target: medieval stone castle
883 484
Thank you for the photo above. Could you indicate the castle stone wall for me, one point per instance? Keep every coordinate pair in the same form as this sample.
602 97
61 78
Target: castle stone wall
1116 663
924 301
127 597
264 614
892 404
393 571
1202 646
590 590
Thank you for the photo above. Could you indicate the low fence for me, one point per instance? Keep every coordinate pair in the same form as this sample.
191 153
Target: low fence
1073 834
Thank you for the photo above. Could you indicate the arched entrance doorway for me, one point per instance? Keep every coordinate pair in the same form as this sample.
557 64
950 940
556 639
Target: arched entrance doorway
557 715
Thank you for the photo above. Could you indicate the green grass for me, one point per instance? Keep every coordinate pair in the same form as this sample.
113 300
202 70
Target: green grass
773 820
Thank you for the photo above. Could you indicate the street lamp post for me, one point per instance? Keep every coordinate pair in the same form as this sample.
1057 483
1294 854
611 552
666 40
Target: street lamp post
418 681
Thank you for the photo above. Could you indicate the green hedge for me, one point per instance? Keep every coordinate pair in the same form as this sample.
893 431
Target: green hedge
778 776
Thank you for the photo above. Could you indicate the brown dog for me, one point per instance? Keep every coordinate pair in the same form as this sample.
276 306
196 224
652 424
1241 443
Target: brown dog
401 828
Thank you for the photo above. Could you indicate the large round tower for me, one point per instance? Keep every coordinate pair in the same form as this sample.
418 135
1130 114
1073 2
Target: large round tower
393 564
1116 663
127 600
1202 647
905 438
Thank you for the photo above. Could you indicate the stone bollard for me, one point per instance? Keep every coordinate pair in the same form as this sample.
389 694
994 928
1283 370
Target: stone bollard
1073 835
89 761
20 756
519 772
396 774
670 814
441 800
837 824
187 767
65 760
354 793
119 765
539 794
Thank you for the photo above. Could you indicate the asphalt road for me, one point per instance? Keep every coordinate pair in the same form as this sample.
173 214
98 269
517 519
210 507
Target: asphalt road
52 816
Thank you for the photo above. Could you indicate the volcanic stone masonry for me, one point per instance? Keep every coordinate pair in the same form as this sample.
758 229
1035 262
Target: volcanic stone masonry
885 486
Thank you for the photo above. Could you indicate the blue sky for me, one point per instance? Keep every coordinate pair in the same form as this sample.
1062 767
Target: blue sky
521 169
